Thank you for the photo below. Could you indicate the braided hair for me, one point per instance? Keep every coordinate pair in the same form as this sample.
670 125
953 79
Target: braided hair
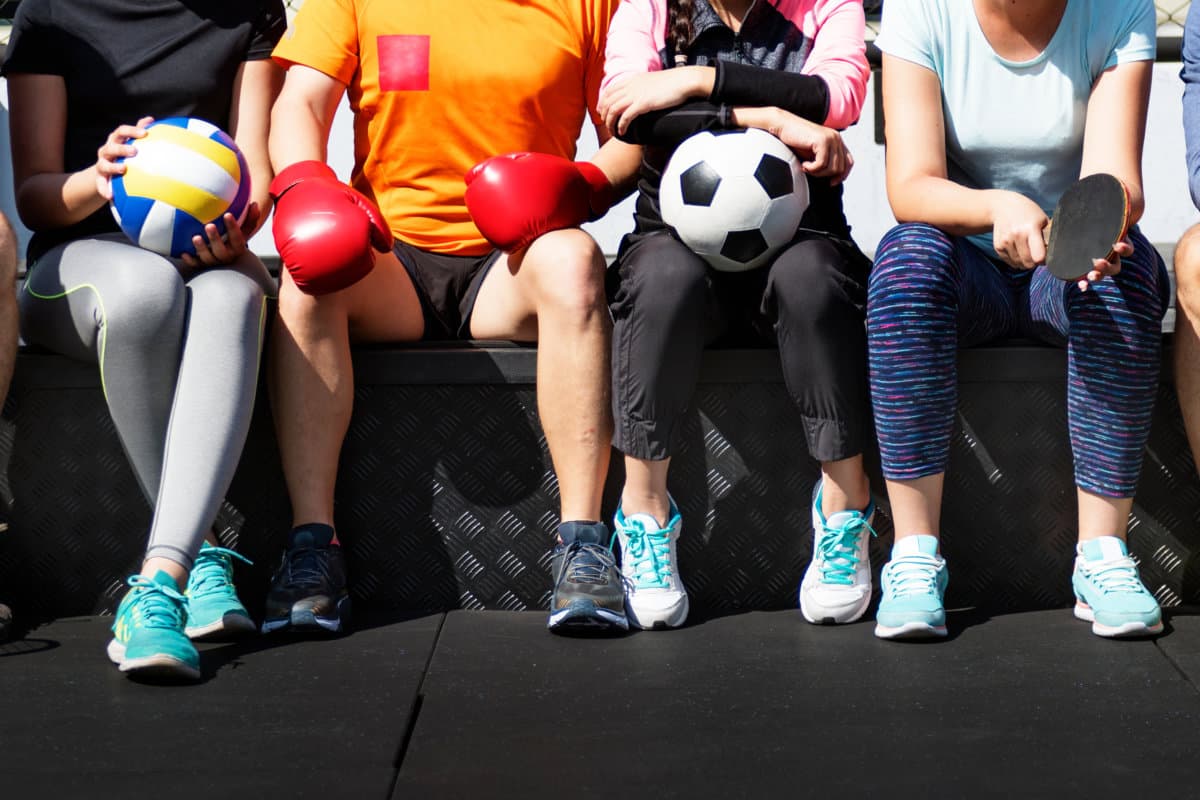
679 29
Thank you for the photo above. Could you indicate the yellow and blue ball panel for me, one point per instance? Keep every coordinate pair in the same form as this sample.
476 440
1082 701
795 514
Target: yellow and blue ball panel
187 173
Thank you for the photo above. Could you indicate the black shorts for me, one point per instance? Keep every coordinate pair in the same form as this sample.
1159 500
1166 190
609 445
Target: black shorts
446 286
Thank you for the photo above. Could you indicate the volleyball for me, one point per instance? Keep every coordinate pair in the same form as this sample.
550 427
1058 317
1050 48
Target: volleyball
187 173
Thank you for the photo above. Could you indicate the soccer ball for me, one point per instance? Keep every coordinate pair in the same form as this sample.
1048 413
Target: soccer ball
735 198
187 173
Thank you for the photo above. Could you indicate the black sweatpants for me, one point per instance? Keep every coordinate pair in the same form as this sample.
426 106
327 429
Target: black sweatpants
668 304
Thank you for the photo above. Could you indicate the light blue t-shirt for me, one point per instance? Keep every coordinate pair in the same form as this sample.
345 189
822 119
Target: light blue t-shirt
1017 125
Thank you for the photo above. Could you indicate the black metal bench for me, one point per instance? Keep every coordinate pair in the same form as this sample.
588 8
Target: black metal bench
446 498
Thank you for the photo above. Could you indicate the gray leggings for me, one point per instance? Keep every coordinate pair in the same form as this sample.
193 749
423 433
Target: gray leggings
178 354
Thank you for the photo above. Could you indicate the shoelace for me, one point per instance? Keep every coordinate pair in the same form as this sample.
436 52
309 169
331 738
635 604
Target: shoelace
157 606
839 550
306 567
649 556
588 563
913 574
1114 575
210 573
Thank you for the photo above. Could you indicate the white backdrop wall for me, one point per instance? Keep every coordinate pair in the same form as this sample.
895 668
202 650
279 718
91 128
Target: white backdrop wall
1169 209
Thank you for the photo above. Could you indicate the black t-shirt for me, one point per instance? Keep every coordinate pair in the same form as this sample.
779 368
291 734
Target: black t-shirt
126 59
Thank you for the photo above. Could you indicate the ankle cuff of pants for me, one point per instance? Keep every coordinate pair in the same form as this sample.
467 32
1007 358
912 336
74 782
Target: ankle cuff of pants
170 553
649 440
831 439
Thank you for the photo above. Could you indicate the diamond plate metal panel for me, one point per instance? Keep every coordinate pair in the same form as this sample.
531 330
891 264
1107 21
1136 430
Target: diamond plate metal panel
446 500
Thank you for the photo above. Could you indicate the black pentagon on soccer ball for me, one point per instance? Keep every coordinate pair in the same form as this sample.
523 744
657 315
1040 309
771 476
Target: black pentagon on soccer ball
699 183
775 176
744 246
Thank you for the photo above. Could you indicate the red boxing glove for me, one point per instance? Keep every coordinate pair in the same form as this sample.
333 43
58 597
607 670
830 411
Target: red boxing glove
515 198
324 230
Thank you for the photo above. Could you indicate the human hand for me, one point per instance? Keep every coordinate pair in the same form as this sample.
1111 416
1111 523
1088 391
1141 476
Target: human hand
1018 226
823 149
218 250
650 91
116 146
1102 268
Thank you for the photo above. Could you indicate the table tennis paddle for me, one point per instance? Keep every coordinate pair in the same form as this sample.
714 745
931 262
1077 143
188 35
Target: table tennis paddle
1092 215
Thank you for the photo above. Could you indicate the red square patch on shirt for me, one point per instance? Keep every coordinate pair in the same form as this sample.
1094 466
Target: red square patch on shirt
403 63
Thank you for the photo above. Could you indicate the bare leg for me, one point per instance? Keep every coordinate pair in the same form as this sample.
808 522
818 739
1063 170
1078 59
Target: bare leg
645 490
844 486
1102 516
8 304
1187 343
554 293
917 505
311 375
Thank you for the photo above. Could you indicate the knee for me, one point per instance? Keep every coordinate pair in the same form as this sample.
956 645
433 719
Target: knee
568 271
661 283
1187 270
229 287
298 306
150 304
808 277
913 258
8 258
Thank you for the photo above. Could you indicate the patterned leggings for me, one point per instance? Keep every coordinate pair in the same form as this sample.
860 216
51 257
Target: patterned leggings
931 293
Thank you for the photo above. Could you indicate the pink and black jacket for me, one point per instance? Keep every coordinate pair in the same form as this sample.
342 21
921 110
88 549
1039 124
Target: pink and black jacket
804 56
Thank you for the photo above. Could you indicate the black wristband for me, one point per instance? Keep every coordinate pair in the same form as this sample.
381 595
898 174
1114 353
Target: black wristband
805 96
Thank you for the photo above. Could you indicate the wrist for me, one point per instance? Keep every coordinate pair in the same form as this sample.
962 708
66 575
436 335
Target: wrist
292 174
701 81
602 193
768 118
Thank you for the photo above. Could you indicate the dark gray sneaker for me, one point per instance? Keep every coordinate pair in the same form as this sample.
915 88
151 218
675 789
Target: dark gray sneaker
587 597
308 591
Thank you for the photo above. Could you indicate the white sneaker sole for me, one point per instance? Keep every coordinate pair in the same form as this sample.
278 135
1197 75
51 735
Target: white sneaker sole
819 614
158 666
1084 612
583 617
229 625
910 630
652 618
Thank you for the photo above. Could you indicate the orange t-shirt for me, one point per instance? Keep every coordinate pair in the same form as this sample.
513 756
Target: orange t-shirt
437 86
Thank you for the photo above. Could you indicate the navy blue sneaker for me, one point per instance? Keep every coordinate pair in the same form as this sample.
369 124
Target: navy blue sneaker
587 596
308 591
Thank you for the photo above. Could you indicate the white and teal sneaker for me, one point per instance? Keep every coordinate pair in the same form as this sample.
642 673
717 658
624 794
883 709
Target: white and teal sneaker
148 638
213 608
1108 592
654 593
836 588
914 583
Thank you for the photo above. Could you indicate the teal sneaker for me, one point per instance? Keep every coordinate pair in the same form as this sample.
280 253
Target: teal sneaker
655 596
213 607
913 582
1108 592
148 638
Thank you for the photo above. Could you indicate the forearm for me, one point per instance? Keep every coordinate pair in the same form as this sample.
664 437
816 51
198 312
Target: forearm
302 116
296 135
619 161
255 89
57 199
671 126
806 96
940 202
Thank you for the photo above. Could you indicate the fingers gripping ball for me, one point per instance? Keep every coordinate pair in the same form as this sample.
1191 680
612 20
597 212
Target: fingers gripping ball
187 173
735 198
